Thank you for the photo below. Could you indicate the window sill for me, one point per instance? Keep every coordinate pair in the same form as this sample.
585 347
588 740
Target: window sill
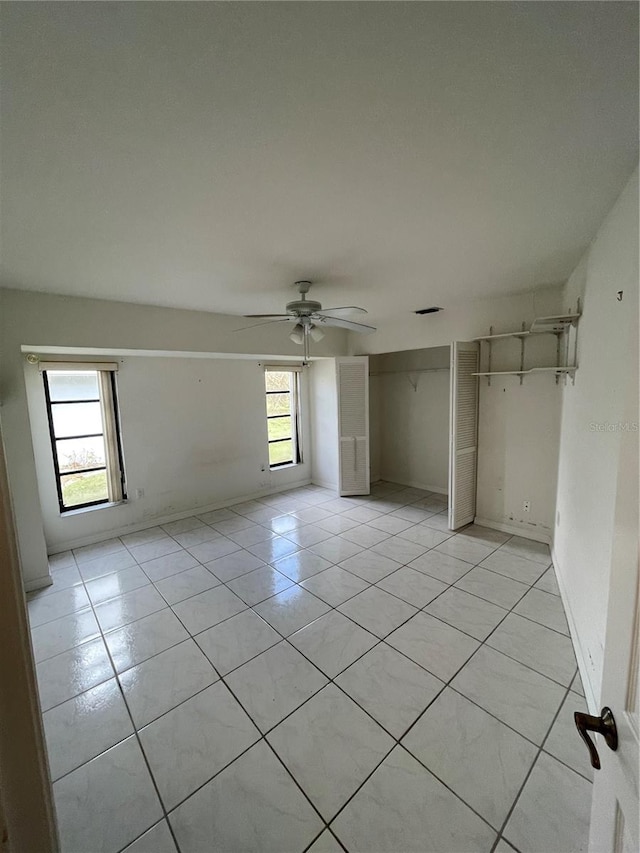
73 512
277 468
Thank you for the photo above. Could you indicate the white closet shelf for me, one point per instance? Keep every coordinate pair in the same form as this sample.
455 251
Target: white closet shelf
571 369
559 325
554 325
504 335
408 370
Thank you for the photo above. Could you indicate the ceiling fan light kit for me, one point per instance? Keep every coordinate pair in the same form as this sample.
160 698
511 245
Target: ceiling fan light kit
308 315
316 334
297 335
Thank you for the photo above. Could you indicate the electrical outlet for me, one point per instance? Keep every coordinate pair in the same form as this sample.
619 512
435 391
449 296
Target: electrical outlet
526 506
139 494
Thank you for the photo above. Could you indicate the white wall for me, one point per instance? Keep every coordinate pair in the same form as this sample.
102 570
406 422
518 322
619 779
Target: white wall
41 320
324 423
459 321
518 439
588 461
518 425
375 437
410 417
194 434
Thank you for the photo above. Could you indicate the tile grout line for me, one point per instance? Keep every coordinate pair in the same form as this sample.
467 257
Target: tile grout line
225 583
140 564
483 643
528 775
245 711
251 607
135 734
230 508
285 638
264 736
332 835
399 744
331 680
170 607
221 678
396 740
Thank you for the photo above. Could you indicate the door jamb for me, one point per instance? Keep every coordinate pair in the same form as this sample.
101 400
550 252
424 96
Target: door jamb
27 815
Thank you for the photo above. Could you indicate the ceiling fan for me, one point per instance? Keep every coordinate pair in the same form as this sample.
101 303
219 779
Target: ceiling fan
309 316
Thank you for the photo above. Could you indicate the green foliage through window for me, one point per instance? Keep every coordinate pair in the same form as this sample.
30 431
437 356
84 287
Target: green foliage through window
78 402
281 417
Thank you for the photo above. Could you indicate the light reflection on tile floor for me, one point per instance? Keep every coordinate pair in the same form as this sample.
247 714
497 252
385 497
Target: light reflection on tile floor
311 673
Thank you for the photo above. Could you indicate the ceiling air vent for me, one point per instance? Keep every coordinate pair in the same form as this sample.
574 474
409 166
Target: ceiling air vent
432 310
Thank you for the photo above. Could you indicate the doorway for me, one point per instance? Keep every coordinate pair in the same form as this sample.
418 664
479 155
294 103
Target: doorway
409 399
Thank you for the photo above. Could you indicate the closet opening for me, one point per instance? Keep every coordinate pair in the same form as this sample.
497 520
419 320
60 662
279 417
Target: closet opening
409 413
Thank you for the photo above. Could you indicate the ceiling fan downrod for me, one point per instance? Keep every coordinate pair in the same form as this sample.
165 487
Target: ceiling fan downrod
306 341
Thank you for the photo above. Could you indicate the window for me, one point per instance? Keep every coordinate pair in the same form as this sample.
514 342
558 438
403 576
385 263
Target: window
283 417
85 439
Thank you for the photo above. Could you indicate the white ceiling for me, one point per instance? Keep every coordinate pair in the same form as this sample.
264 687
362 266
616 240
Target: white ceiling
205 155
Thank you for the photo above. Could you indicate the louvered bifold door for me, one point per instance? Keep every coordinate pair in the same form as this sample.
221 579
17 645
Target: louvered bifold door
463 433
353 424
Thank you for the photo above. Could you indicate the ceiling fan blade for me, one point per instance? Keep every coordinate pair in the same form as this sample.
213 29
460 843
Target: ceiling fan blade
346 312
266 323
265 316
346 324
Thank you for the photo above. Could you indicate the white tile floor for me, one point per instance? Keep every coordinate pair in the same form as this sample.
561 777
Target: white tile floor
311 673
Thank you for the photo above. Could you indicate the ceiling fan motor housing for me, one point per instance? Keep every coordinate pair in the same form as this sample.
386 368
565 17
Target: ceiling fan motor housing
303 307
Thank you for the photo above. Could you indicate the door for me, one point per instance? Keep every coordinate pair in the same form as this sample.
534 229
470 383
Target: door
27 818
616 802
352 381
463 433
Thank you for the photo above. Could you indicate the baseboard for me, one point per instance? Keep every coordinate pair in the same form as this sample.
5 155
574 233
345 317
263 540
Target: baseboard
413 484
325 484
176 516
590 696
524 532
38 583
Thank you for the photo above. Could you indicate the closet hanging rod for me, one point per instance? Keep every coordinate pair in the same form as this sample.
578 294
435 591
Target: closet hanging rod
420 370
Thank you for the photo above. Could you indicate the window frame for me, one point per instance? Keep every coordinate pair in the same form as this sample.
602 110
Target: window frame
294 415
114 414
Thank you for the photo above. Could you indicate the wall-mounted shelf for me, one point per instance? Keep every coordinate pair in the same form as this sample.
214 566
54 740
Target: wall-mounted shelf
408 370
555 325
557 370
524 334
560 325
